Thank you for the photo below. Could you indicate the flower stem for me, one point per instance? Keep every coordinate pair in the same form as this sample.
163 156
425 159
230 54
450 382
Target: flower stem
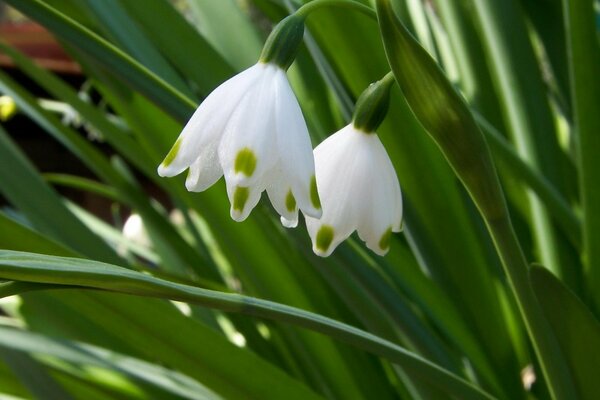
316 4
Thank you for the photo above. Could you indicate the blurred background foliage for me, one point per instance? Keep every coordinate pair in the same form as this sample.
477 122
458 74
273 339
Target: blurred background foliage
81 139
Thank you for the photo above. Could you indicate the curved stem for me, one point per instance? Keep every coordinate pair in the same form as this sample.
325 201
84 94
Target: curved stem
316 4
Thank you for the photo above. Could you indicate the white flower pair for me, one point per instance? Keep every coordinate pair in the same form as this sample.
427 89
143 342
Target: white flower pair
251 130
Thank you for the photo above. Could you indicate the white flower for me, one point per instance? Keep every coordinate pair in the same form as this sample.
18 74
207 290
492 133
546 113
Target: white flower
251 130
359 191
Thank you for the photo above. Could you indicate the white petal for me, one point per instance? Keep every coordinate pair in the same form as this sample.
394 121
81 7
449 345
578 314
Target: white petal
397 196
295 148
289 223
283 199
380 208
206 170
208 121
248 148
243 199
338 164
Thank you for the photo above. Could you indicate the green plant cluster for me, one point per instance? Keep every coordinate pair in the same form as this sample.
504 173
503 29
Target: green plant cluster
492 291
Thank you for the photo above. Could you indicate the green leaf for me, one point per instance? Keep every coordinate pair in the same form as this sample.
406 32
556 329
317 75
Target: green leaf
178 342
107 55
508 159
442 111
576 328
45 210
584 64
225 26
179 257
527 113
34 376
190 52
445 115
120 139
59 270
121 27
86 356
84 184
14 236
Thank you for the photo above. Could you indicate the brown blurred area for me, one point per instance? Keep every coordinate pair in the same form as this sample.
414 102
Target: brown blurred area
46 153
34 41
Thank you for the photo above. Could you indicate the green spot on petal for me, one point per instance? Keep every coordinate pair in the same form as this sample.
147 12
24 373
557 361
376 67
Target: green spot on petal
324 237
172 153
245 162
314 194
290 201
240 196
384 242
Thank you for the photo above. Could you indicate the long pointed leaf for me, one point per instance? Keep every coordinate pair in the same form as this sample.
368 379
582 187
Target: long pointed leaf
60 270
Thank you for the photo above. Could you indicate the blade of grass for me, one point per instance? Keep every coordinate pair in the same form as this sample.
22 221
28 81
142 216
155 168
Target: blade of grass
577 330
85 356
116 136
34 376
445 115
225 25
584 64
15 236
552 198
60 270
107 55
179 342
180 257
84 184
525 106
121 27
45 210
190 52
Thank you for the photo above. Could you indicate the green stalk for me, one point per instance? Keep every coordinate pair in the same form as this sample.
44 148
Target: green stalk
558 377
525 106
447 118
584 65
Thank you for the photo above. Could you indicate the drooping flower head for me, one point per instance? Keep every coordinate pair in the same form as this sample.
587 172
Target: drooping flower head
358 184
251 130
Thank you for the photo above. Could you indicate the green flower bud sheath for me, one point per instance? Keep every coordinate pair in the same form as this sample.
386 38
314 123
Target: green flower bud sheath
284 41
372 105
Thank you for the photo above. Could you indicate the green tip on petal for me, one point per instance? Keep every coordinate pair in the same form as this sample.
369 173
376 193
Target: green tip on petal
314 194
324 237
245 162
240 196
384 242
172 153
290 201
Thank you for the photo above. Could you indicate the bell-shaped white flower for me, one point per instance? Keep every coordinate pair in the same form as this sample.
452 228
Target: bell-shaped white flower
251 130
359 191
